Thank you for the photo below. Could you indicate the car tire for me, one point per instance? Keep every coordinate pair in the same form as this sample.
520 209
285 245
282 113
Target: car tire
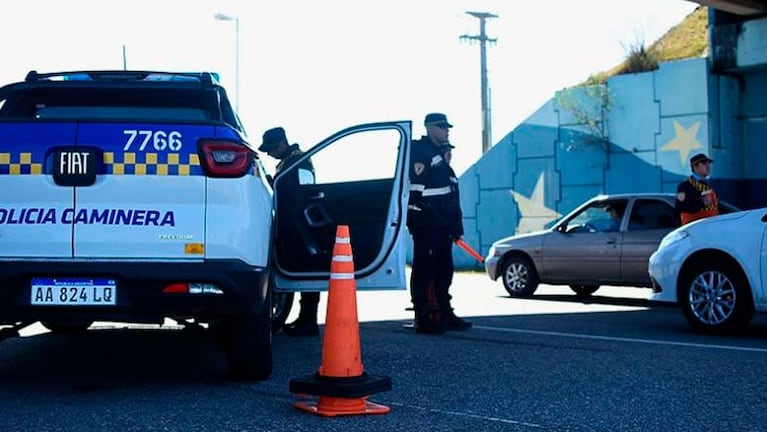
249 346
519 276
66 326
716 299
584 290
281 306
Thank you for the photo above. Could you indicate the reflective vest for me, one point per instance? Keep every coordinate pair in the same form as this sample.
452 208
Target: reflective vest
690 200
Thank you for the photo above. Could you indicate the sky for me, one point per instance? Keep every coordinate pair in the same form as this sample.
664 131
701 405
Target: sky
315 67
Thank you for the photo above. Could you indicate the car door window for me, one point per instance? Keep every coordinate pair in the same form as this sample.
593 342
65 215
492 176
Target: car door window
360 181
601 216
651 214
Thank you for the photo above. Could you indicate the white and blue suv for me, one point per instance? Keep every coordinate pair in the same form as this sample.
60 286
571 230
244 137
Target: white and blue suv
135 196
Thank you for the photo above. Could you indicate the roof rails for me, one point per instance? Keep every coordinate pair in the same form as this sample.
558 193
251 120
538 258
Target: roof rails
208 78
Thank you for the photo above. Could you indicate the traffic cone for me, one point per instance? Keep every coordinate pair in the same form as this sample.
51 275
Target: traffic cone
341 382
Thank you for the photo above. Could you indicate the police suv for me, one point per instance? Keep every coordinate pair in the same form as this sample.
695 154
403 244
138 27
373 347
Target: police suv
135 196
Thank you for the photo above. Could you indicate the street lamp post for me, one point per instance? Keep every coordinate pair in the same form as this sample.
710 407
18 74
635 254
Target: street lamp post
224 17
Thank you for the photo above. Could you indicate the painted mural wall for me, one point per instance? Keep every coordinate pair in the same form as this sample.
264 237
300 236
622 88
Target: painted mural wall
636 133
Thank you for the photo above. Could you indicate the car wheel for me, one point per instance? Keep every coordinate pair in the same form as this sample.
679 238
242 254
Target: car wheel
249 346
67 326
281 305
584 290
716 299
519 276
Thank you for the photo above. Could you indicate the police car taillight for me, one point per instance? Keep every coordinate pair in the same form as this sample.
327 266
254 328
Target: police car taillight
225 159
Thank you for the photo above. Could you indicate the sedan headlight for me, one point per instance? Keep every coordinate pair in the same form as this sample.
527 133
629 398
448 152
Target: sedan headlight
491 252
673 237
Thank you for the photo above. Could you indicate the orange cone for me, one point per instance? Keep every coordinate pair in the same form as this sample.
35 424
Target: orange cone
341 382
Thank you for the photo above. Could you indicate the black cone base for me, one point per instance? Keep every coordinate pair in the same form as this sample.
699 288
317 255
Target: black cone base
351 387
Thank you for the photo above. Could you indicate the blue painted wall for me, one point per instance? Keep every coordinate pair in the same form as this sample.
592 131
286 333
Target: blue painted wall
636 133
640 140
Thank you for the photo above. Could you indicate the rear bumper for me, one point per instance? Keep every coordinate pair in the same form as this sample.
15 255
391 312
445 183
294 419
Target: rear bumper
139 290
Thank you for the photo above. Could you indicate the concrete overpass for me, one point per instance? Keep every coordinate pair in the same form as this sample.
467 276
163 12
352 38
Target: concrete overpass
738 7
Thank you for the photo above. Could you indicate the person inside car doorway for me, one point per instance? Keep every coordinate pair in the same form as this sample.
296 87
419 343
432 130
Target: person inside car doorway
275 143
695 198
435 221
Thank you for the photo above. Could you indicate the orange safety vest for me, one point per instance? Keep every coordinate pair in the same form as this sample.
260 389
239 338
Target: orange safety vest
707 211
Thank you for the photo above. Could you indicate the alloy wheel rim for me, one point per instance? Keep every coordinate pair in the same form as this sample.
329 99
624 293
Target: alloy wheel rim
516 276
712 297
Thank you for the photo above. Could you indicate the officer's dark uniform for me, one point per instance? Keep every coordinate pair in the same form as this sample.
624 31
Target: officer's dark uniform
689 196
291 228
289 202
434 221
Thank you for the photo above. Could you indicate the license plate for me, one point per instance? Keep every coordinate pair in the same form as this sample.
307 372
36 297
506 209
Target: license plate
73 292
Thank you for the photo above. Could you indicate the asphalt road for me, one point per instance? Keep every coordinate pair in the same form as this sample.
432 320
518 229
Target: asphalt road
552 363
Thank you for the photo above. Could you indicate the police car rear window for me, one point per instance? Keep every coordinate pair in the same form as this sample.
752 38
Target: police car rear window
124 113
104 103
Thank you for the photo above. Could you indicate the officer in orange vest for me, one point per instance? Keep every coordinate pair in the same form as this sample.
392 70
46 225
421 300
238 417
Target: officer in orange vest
695 198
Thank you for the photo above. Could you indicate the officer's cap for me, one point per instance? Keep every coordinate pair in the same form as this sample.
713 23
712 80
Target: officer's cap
436 119
272 138
700 157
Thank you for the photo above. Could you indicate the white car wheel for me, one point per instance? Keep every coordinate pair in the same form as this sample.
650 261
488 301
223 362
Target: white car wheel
716 299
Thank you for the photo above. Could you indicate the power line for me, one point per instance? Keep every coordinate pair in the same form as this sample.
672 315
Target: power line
483 39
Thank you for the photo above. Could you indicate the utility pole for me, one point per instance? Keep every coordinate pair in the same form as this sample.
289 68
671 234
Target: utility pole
482 38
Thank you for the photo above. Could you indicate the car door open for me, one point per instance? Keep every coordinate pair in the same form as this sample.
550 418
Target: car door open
361 181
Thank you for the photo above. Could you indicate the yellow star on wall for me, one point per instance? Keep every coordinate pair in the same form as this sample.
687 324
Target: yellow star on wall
684 142
534 213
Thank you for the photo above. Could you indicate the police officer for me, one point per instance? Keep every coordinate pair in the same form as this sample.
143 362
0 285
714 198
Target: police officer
695 198
291 229
435 221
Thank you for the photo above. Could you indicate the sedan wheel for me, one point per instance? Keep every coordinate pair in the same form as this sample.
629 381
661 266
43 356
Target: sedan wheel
519 276
716 299
584 290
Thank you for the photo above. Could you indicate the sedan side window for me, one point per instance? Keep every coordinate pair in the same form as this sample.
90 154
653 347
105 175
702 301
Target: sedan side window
649 214
603 216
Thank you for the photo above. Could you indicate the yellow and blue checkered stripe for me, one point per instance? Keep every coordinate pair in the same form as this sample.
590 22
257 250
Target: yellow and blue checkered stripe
163 164
22 163
131 163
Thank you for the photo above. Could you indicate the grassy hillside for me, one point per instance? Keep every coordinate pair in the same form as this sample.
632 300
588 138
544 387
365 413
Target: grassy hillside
687 39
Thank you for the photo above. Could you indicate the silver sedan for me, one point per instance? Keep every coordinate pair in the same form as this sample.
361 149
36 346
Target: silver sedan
607 240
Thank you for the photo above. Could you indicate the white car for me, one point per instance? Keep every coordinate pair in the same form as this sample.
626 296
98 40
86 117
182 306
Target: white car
714 269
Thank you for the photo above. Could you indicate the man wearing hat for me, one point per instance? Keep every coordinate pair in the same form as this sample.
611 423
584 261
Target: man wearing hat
292 230
695 198
435 221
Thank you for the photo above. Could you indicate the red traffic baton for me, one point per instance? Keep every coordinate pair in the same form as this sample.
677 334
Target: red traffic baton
469 250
